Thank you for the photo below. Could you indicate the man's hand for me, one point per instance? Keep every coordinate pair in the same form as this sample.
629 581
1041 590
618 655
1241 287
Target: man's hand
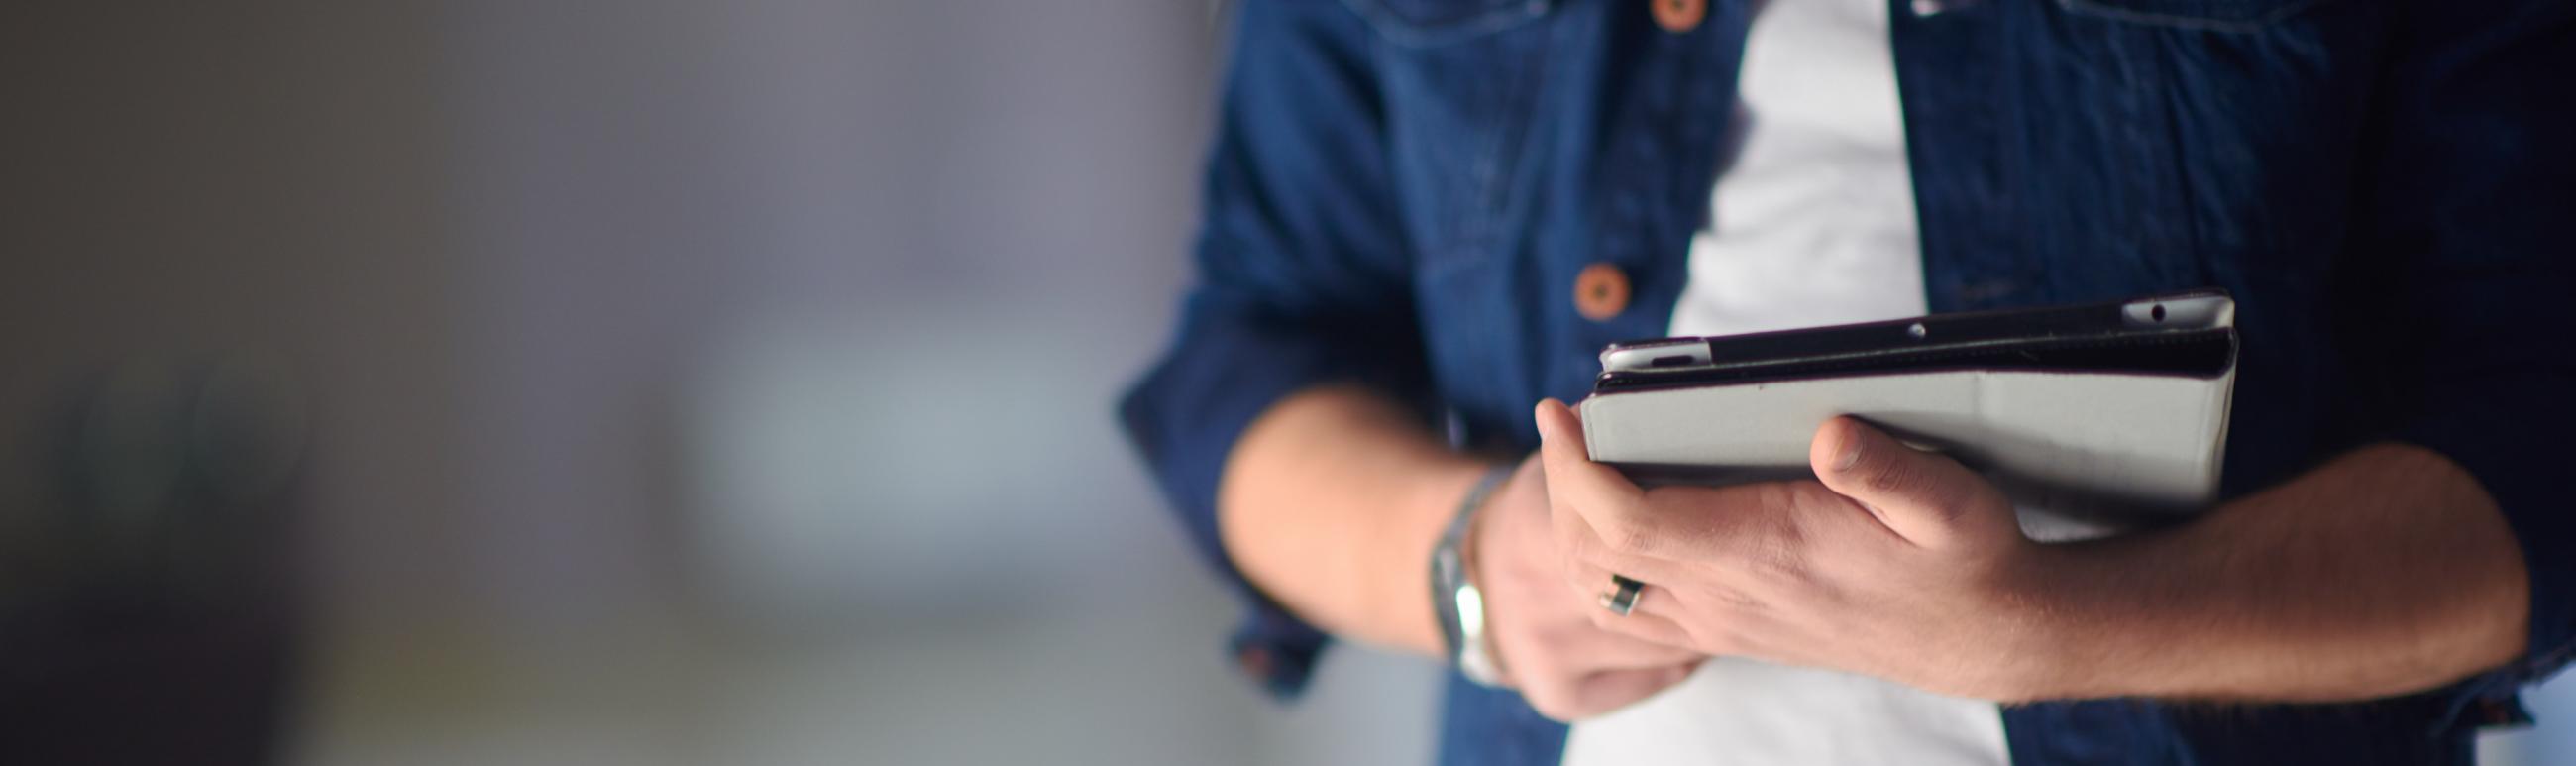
1332 502
1564 665
1899 563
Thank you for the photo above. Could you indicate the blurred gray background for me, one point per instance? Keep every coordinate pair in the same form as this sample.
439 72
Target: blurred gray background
676 382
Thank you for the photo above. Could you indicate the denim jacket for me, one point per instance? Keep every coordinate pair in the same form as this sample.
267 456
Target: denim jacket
1401 193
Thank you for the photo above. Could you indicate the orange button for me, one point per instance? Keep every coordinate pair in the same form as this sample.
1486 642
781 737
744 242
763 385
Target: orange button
1600 292
1255 661
1679 15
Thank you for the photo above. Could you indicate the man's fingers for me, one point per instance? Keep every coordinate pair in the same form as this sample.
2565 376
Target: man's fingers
1657 614
1589 562
1569 462
1655 629
1558 670
1610 690
1925 497
1633 646
1606 502
1598 692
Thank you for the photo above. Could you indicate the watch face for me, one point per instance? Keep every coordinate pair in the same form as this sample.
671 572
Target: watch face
1475 652
1470 604
1455 600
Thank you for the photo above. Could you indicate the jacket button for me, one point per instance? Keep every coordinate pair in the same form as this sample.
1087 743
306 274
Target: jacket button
1256 661
1600 291
1678 15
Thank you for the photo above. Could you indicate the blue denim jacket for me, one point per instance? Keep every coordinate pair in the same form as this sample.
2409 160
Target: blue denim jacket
1401 193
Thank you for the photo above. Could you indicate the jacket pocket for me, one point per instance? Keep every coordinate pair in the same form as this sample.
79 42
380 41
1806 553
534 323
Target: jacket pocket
2215 15
1431 22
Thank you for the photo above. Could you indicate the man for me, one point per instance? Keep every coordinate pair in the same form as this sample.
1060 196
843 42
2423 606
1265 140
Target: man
1426 216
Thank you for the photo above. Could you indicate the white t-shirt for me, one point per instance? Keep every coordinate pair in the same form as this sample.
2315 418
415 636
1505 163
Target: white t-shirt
1812 224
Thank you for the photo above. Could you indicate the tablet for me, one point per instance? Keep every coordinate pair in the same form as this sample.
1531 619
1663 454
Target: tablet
2092 418
2187 334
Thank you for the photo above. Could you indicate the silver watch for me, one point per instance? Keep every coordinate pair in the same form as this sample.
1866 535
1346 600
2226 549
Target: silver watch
1454 597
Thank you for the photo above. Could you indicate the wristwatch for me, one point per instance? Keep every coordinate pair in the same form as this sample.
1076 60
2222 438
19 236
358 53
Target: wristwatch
1454 597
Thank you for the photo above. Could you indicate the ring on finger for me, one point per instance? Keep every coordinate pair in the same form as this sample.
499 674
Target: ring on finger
1622 596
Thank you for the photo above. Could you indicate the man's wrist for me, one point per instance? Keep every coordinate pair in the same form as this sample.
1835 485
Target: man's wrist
1457 601
2107 618
2054 623
2379 573
1398 549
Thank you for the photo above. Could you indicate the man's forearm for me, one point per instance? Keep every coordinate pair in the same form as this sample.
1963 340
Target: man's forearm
1331 503
2388 570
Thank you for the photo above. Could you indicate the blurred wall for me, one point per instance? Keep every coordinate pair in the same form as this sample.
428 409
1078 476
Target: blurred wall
691 382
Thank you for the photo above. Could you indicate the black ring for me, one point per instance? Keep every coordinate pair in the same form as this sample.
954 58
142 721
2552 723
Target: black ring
1622 597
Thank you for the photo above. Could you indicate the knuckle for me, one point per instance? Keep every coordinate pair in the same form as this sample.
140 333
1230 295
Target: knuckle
1892 477
1732 598
1776 552
1736 605
1778 565
1632 539
1787 531
1801 495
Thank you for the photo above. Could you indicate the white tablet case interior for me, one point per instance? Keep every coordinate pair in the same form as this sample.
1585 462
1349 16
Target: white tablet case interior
2081 453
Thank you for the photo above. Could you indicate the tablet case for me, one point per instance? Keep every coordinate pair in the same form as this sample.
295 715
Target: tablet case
2093 419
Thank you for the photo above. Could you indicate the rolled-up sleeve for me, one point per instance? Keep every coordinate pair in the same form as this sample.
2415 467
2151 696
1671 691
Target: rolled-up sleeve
2473 210
1302 278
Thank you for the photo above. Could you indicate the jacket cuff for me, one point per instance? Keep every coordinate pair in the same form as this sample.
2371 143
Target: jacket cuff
1228 367
2509 436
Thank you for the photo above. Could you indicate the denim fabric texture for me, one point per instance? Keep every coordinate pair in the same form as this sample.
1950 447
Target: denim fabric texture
1401 192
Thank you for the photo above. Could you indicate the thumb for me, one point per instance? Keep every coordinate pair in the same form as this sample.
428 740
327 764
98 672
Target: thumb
1923 496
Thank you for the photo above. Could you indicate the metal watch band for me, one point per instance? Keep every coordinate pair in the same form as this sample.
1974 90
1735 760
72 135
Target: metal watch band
1454 595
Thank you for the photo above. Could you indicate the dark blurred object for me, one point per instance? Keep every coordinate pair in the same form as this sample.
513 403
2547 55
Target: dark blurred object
146 612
